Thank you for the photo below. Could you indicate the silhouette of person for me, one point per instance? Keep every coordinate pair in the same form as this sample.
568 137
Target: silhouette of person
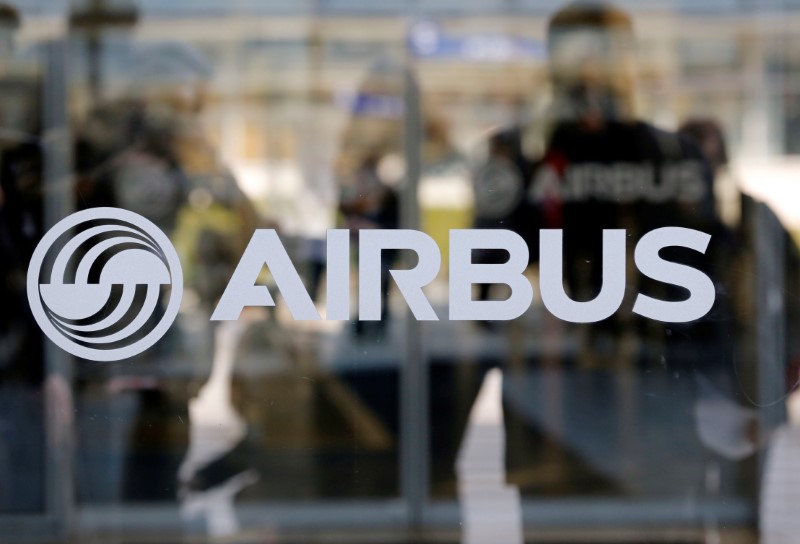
500 188
602 167
147 152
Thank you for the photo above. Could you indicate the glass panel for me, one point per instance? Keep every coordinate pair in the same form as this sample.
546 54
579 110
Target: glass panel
560 303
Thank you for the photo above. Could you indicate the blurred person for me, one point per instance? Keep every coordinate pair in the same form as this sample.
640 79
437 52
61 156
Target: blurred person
729 202
726 428
371 142
369 203
602 167
374 128
709 136
501 186
146 151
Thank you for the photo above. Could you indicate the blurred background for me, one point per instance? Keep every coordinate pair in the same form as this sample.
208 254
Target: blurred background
213 118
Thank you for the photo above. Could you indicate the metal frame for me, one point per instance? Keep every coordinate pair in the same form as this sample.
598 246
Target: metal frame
414 370
584 514
55 520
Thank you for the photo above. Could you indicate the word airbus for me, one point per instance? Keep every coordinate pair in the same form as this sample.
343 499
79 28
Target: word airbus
265 248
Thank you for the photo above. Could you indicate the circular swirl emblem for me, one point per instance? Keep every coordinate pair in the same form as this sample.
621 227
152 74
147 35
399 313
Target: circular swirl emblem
105 284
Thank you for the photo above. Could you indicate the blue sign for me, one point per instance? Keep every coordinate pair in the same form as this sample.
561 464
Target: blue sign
426 39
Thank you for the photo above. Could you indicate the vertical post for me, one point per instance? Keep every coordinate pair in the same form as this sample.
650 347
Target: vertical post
92 20
759 139
58 202
414 372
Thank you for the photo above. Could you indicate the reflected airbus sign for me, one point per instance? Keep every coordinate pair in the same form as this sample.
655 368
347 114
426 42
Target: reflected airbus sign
105 284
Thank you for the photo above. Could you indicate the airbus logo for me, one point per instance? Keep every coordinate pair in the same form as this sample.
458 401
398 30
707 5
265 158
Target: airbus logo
97 279
105 284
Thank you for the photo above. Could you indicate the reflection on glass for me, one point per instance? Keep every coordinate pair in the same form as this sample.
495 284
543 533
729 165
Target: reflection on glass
214 120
